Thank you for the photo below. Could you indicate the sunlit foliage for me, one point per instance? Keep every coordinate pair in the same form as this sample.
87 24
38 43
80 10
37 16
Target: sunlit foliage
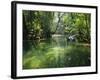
56 39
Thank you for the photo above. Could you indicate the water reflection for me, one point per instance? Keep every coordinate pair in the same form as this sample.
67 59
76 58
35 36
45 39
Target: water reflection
54 52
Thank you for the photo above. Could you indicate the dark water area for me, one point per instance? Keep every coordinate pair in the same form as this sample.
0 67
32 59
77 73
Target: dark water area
55 52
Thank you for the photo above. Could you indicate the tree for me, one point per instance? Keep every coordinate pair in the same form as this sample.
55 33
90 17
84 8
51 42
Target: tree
41 25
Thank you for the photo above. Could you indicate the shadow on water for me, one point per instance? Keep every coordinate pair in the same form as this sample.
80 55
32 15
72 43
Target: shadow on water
54 53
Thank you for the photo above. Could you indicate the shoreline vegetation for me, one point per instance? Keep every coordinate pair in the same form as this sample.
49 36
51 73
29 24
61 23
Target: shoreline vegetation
56 39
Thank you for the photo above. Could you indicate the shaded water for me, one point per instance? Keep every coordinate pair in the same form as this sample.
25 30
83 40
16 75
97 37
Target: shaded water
54 53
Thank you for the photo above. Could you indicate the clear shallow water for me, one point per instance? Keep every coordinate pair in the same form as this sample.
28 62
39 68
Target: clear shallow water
54 53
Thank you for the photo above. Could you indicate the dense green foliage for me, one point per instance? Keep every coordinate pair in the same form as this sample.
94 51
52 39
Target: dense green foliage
39 25
55 39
